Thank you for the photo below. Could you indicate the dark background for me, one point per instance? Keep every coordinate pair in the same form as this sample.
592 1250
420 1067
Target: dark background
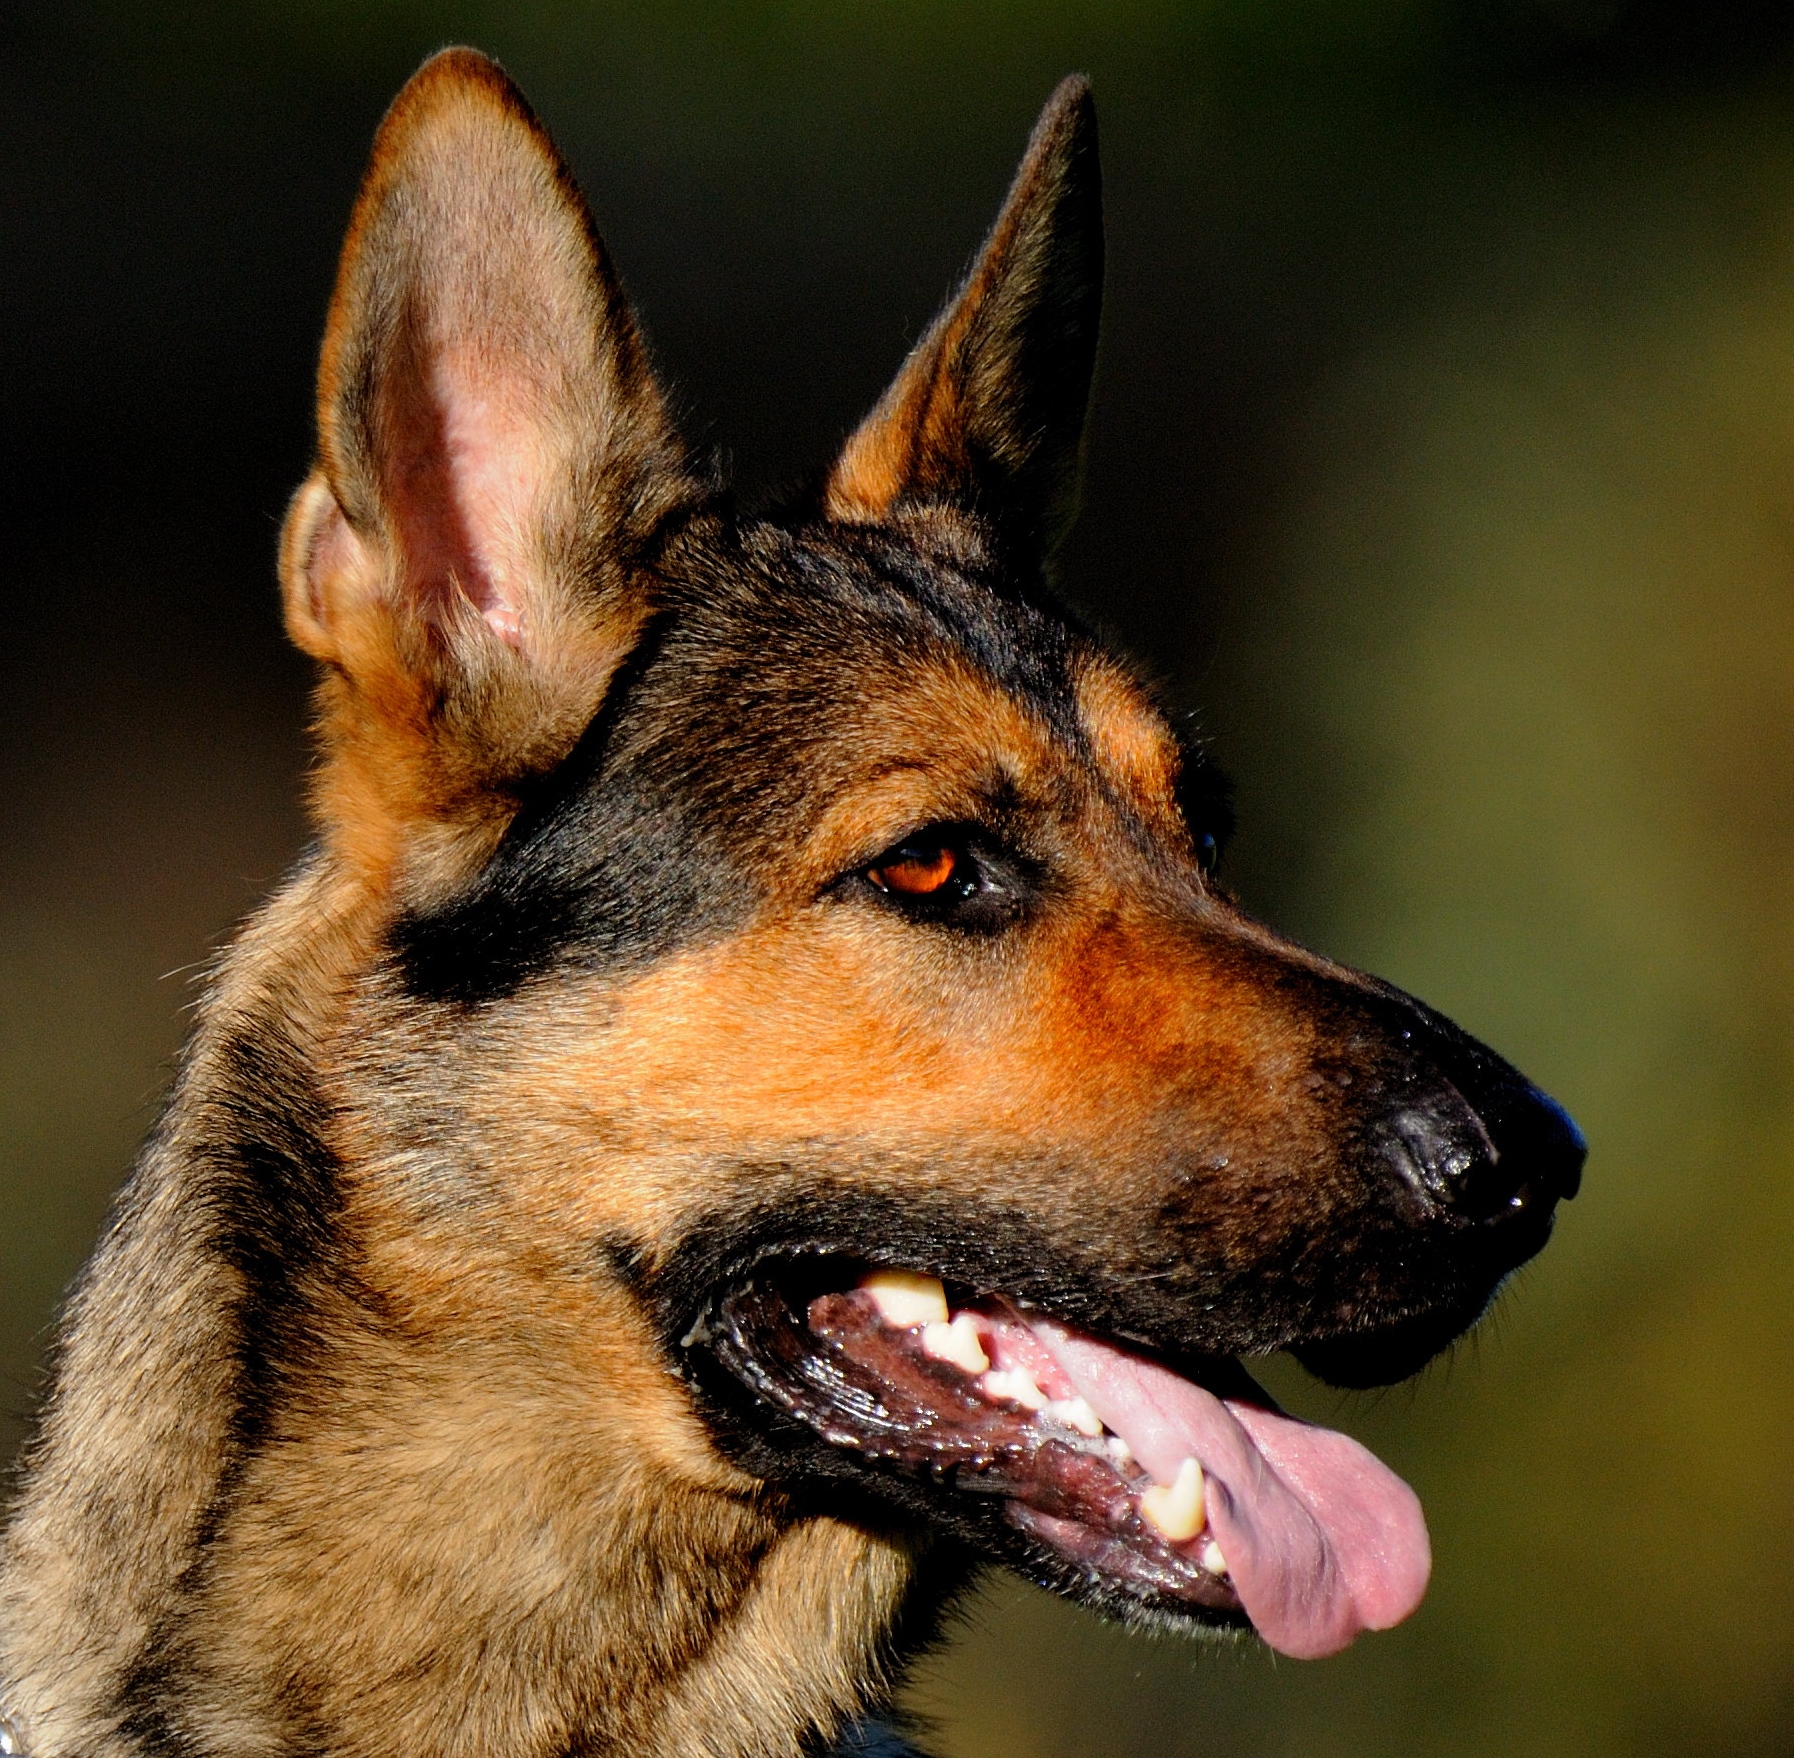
1443 458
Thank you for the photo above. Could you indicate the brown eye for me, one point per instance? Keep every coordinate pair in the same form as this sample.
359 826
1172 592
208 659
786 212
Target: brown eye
915 870
955 876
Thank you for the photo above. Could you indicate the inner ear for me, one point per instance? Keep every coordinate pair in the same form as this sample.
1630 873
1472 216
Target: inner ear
988 411
467 469
485 402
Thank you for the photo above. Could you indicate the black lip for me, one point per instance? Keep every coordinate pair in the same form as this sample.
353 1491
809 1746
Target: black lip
1166 1300
1442 1277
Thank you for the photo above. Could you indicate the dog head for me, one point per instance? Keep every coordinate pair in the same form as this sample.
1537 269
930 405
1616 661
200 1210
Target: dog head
801 928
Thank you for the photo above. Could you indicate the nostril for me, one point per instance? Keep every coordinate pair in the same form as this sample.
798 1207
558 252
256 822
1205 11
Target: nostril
1513 1157
1440 1147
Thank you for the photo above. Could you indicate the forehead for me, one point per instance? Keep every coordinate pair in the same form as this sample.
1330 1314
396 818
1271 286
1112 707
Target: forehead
823 658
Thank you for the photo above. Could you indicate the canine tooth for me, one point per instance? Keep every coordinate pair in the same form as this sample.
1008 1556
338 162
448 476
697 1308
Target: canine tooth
1017 1385
1076 1413
1177 1509
956 1342
1212 1559
905 1298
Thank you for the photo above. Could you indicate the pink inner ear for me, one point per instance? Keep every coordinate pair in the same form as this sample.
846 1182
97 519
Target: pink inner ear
334 554
466 466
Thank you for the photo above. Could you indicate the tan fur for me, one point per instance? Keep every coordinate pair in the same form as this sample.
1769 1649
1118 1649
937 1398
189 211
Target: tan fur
1131 742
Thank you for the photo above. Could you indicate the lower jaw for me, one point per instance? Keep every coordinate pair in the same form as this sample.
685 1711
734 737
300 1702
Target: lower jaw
1066 1507
1126 1568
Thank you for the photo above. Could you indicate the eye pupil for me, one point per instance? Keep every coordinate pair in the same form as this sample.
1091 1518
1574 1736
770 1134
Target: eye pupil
916 871
1208 852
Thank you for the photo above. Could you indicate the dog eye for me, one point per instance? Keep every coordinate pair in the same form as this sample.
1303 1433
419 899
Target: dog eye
1208 853
949 874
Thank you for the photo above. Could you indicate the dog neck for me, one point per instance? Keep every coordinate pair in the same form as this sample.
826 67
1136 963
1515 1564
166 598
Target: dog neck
279 1501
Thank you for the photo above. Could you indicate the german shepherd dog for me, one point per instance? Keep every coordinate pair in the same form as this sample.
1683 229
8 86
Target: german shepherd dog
756 1102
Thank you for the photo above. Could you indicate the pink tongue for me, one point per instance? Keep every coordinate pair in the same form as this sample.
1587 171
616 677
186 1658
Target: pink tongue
1321 1538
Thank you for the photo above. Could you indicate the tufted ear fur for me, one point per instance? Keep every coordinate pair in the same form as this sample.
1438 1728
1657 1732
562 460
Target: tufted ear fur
988 411
493 453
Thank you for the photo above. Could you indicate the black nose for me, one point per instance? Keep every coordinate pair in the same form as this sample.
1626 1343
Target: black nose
1486 1150
1539 1151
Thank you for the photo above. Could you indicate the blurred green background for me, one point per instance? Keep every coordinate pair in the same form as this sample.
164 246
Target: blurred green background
1443 460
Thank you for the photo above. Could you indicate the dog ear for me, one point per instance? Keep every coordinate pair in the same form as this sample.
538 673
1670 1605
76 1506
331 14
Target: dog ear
493 454
988 411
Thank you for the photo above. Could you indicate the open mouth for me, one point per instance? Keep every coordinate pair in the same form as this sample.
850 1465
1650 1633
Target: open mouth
1192 1500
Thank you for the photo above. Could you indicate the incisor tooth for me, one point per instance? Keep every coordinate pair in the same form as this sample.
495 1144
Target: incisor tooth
1177 1509
904 1298
1017 1385
1212 1559
1076 1413
956 1342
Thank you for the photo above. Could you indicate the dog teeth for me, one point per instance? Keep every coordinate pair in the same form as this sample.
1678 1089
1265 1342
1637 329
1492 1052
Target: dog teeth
1212 1559
957 1342
905 1298
1177 1509
1120 1452
1075 1413
1016 1385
